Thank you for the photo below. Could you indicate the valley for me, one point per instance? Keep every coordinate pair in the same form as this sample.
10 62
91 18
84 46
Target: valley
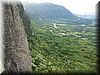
63 48
60 40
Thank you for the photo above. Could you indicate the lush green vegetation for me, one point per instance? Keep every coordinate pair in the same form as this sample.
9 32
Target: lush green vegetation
64 48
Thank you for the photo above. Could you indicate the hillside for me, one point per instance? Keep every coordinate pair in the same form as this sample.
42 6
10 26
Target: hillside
53 13
63 48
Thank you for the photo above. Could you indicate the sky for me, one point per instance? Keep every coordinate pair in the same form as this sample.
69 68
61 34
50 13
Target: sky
75 6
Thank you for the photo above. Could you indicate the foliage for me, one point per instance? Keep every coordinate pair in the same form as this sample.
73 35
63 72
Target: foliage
54 52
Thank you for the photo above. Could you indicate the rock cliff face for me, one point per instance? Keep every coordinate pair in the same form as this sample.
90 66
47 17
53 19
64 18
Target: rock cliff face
17 54
25 19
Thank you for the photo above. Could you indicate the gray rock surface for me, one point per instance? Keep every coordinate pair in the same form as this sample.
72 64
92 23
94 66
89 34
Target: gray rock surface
17 54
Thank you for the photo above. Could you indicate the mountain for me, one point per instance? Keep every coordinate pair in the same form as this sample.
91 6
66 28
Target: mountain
18 57
48 10
90 17
87 16
53 12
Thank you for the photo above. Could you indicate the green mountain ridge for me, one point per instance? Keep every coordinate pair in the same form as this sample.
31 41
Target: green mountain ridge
53 12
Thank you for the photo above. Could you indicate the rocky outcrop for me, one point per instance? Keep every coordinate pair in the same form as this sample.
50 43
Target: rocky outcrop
25 19
17 54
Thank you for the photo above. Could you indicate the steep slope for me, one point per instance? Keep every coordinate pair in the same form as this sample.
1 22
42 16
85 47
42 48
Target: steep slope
25 19
17 54
48 10
53 12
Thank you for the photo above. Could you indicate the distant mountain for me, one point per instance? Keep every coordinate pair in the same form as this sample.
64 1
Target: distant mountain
53 12
87 16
